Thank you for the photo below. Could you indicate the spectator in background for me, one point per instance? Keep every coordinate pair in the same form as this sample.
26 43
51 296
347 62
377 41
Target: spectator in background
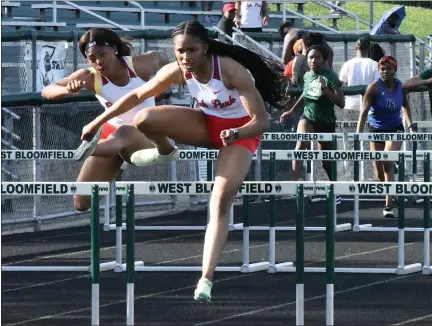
207 6
389 26
360 70
251 15
291 35
226 23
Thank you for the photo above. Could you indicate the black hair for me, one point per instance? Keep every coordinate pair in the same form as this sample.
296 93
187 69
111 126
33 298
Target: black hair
363 44
376 52
320 49
104 36
311 39
268 74
286 25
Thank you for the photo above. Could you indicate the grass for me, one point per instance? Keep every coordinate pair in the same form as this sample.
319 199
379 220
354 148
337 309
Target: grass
417 20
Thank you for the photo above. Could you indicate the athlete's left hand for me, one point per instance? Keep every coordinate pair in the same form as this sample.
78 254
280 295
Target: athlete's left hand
322 82
89 131
227 137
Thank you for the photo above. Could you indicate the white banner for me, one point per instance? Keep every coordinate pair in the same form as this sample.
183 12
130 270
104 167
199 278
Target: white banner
392 137
49 155
283 136
52 188
50 63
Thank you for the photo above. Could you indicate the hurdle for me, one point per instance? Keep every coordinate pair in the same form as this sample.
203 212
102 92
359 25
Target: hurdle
281 188
68 189
409 157
289 188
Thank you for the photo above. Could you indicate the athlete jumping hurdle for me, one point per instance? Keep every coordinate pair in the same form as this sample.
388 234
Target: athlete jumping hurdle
231 117
113 72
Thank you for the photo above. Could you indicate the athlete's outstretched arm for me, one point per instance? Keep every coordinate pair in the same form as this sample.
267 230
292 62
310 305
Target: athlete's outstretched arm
73 84
238 77
416 82
368 99
168 75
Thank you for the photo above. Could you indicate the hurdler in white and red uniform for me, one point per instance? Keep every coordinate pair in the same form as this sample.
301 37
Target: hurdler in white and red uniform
223 107
107 93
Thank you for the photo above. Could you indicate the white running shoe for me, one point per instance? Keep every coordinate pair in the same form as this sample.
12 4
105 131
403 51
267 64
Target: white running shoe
203 291
87 147
146 157
388 212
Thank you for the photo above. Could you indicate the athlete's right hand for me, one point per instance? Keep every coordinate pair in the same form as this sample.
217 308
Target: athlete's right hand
285 115
75 86
89 131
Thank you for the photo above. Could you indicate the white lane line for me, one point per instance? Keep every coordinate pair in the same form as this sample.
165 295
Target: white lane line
414 320
283 305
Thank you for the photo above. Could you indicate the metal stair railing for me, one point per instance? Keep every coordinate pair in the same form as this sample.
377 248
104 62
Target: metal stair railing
83 9
309 19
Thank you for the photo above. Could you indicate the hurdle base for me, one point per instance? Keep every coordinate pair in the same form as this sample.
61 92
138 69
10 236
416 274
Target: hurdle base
427 270
409 269
338 228
184 268
255 267
103 267
137 264
45 269
118 268
361 227
276 268
370 228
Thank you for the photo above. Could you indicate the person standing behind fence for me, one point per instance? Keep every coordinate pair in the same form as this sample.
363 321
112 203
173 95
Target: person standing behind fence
230 116
113 72
383 104
292 35
360 70
226 23
251 16
321 92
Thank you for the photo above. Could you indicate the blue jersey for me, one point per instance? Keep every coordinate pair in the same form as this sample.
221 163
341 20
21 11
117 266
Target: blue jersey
386 111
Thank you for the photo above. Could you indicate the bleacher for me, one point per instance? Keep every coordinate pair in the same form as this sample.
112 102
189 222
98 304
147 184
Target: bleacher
157 14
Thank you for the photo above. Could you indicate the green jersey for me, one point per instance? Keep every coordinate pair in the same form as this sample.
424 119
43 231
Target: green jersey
317 106
426 74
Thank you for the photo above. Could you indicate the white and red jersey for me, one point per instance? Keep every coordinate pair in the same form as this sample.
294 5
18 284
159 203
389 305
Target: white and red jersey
251 14
214 98
107 93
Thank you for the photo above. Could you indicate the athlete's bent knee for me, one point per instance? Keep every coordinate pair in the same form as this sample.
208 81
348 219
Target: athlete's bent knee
142 120
82 204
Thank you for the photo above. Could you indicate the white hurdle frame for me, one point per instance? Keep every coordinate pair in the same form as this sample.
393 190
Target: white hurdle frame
63 189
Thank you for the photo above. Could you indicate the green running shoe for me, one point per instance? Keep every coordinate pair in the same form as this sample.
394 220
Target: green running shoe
203 291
